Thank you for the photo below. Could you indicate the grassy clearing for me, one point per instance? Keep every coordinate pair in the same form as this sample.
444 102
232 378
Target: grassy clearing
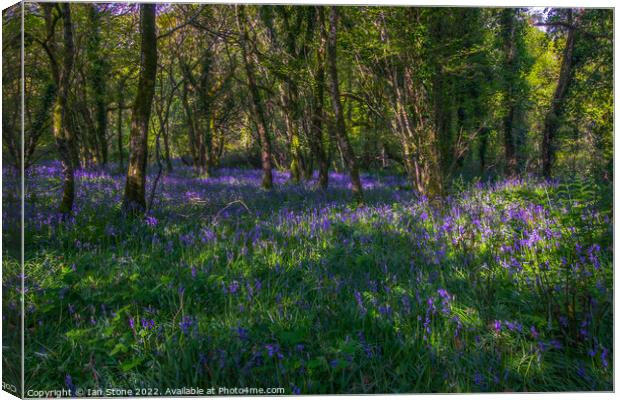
504 287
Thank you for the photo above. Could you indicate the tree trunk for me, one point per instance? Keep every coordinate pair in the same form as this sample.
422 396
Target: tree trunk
341 134
61 126
191 132
482 149
292 131
163 131
119 122
317 111
206 135
166 145
292 107
256 101
510 73
134 200
97 80
557 102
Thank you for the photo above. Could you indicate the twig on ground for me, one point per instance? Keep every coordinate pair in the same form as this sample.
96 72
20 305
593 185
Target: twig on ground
215 218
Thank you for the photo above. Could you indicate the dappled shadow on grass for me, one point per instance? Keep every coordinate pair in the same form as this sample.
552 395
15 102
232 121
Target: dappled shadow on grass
316 294
182 197
327 299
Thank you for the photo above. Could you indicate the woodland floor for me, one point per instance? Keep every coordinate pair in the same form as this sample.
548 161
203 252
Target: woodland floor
505 286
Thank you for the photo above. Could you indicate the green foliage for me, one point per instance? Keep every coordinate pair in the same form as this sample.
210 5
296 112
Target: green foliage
273 287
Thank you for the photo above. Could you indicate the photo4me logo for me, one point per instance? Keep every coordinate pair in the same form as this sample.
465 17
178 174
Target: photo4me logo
249 390
222 391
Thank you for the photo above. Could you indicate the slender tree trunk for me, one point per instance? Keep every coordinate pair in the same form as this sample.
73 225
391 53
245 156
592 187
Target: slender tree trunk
191 132
509 33
97 80
218 148
482 149
206 136
341 134
163 131
67 143
102 123
91 154
292 130
288 92
257 103
318 114
166 144
134 200
509 143
119 122
61 127
557 103
291 106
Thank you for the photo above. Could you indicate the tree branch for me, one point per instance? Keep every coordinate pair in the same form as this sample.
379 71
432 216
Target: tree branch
187 22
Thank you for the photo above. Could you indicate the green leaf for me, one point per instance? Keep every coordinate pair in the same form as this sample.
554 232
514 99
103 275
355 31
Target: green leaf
131 364
317 363
119 348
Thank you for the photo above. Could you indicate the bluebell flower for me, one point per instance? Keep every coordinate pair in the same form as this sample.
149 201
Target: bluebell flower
188 325
360 302
70 385
243 333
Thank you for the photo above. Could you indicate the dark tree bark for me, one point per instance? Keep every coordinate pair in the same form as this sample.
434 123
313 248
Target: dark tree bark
191 127
341 134
31 139
557 102
509 33
134 200
119 122
97 80
205 107
163 116
291 103
257 106
162 106
317 112
167 148
61 76
482 149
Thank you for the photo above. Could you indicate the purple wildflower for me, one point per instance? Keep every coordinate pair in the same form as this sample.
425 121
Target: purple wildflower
406 304
243 333
273 350
188 325
360 302
385 310
148 324
70 385
604 361
233 287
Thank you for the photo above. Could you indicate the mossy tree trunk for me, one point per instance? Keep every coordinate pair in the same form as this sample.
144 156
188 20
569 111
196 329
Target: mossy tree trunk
318 114
557 102
340 129
257 107
61 76
134 200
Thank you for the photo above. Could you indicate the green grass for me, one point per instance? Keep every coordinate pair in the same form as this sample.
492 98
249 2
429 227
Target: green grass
295 281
